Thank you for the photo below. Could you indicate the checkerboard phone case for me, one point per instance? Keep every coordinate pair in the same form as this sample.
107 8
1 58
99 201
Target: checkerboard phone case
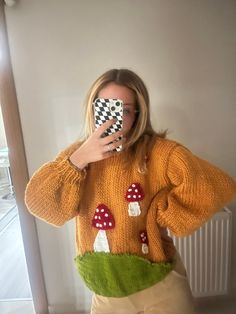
107 109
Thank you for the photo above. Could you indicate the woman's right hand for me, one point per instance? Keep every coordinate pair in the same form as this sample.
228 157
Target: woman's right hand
96 147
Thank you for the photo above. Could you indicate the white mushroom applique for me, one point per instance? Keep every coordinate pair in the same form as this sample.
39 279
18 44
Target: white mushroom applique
102 220
133 196
144 241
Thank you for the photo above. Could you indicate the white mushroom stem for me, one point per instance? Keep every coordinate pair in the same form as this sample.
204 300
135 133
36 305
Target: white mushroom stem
144 248
134 209
101 243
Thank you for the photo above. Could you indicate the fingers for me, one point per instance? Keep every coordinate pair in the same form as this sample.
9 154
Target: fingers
112 138
104 127
110 147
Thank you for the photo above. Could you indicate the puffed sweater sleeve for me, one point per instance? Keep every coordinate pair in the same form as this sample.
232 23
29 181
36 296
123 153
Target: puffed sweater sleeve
197 190
54 191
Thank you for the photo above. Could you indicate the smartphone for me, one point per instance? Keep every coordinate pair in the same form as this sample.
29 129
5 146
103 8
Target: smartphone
107 109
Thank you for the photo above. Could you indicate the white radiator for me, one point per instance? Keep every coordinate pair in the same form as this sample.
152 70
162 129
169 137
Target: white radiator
206 255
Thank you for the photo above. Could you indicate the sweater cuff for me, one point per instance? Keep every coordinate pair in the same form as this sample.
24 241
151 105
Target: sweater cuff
69 172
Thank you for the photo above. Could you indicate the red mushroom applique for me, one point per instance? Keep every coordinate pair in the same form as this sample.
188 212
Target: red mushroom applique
102 220
144 241
133 196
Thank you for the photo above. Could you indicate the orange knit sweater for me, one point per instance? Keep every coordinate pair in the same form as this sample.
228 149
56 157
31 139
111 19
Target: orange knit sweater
180 191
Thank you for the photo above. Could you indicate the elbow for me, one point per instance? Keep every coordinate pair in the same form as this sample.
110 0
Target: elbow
182 225
41 212
55 221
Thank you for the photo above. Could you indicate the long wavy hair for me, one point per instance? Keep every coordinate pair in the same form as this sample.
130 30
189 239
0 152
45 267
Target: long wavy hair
142 135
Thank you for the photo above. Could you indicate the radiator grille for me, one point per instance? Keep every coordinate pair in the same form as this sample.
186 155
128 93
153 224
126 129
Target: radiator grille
206 255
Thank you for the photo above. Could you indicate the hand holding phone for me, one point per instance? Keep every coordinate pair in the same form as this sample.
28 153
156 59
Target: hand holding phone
96 147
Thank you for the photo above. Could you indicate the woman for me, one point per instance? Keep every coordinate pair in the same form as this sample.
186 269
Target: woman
124 202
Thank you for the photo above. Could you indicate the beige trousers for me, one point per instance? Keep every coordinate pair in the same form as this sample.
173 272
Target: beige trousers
172 295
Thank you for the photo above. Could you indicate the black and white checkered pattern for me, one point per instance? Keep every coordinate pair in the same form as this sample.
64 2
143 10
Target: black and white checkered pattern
103 113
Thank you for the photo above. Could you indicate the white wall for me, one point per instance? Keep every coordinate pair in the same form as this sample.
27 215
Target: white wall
185 52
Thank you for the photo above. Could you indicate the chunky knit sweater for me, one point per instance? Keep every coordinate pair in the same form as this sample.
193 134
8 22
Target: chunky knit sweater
121 215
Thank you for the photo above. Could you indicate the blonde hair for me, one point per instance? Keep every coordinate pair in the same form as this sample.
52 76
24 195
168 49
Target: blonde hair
142 131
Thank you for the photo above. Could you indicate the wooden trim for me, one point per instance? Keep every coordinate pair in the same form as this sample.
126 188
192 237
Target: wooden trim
19 171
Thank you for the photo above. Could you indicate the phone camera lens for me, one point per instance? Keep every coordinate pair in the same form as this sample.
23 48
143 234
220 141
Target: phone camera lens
117 103
113 108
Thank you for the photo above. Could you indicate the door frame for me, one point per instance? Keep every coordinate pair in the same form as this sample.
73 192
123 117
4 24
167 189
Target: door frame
19 170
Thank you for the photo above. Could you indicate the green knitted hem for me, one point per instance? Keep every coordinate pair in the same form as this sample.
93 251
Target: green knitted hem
118 275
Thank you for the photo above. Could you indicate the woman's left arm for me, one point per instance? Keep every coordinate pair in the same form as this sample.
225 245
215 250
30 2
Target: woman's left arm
198 190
